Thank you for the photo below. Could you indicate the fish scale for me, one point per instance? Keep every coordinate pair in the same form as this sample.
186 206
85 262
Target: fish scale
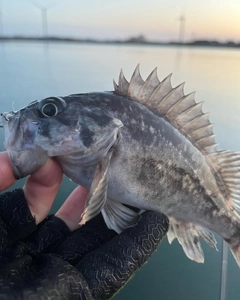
147 145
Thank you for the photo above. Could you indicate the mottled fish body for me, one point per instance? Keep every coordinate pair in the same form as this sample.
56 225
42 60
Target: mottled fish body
146 145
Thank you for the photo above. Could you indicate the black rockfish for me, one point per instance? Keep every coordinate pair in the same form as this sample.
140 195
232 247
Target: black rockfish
146 145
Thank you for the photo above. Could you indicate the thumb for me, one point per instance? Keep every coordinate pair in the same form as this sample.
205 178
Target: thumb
41 188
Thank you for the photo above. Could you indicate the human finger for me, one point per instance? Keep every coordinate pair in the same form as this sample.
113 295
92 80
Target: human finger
6 172
71 210
41 188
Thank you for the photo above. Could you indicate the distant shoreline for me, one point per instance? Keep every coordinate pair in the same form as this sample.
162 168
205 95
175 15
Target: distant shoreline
131 41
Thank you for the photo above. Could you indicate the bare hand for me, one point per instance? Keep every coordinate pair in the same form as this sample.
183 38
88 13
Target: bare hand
40 191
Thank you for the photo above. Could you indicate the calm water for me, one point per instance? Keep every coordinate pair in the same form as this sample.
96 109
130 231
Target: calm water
30 71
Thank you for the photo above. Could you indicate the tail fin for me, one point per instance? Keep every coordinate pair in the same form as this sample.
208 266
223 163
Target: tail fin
236 253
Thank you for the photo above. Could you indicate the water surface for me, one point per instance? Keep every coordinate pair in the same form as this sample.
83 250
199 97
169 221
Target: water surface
30 71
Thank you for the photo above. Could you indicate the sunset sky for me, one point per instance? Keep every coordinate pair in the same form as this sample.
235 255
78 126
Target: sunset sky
109 19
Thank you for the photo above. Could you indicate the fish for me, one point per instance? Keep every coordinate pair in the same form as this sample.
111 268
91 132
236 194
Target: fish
145 145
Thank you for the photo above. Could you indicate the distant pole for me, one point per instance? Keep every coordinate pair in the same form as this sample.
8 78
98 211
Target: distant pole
44 10
223 286
44 22
1 21
181 34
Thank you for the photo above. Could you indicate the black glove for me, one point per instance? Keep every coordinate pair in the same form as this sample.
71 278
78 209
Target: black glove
49 261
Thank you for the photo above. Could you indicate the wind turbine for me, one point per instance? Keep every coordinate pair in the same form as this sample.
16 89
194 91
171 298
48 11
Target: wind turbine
181 34
43 10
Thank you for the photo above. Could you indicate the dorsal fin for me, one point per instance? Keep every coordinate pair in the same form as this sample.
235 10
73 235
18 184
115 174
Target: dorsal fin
180 110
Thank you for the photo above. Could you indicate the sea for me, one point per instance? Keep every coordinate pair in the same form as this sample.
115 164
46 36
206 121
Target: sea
36 70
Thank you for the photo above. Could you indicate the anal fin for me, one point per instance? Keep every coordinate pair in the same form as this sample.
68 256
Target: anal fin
188 236
118 216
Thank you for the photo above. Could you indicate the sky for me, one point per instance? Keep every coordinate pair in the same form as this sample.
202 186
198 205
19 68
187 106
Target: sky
157 20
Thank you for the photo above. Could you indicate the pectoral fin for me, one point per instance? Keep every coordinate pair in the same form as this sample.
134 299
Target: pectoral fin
117 216
98 191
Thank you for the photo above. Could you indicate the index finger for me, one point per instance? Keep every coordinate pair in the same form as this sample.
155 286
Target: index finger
6 172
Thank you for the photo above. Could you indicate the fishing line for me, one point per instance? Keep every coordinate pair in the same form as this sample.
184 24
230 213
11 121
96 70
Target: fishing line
224 271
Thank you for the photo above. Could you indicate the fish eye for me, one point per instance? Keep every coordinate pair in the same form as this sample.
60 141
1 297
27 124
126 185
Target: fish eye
49 110
52 106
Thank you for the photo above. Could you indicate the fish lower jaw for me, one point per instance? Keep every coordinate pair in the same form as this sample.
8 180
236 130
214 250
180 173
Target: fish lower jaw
17 173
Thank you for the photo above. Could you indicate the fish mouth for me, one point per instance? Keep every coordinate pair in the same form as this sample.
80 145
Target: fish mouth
1 120
16 172
5 117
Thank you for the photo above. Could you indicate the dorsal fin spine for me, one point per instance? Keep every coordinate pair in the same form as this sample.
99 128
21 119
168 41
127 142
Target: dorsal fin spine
166 82
152 78
202 132
115 85
135 83
170 99
208 126
149 85
206 141
197 121
123 83
189 114
210 149
179 106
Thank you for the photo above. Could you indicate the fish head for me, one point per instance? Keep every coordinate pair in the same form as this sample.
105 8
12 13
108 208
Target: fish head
54 127
19 140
